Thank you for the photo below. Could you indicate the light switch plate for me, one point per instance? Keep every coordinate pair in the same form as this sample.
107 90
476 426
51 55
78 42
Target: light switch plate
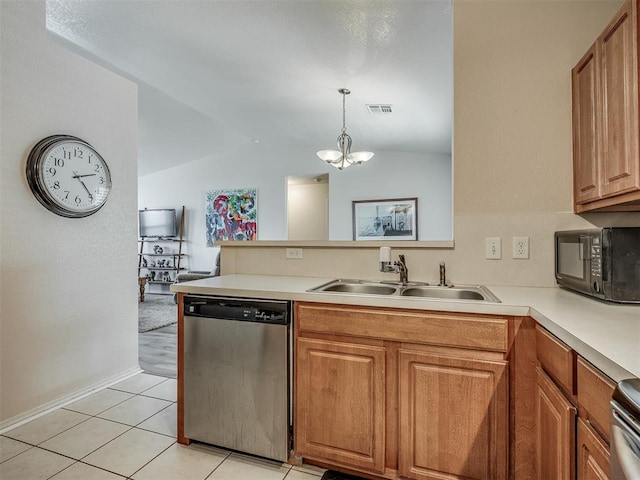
493 248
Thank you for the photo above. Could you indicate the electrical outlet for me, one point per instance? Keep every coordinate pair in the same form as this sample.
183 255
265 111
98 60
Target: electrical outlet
493 248
294 253
520 247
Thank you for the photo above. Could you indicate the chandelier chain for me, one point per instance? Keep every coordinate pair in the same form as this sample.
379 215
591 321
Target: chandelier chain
344 113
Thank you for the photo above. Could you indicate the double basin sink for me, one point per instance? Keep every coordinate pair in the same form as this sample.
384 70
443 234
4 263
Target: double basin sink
478 293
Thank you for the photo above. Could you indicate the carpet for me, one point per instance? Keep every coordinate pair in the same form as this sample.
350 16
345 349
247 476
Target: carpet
156 311
332 475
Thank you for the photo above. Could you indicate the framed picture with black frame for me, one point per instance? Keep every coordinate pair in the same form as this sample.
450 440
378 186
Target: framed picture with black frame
386 219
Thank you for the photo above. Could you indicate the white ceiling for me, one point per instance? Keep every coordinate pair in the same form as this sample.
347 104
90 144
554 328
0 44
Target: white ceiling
215 73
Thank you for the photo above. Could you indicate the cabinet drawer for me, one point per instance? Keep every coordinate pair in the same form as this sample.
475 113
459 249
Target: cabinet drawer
556 358
480 332
594 394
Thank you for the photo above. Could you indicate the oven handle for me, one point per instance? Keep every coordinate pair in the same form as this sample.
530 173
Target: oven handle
627 450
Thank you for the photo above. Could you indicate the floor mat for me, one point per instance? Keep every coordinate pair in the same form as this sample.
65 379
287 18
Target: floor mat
156 311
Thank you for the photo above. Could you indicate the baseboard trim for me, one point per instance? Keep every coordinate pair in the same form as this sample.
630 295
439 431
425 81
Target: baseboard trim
14 422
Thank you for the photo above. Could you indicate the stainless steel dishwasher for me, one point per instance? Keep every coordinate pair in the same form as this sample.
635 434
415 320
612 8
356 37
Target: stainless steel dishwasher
625 431
237 374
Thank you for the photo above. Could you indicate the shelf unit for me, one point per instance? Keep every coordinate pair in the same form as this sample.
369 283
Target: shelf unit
176 259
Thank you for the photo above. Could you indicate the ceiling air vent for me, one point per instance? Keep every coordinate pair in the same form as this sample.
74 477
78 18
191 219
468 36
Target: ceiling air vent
379 109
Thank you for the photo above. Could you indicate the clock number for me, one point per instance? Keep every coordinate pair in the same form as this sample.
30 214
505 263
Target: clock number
78 200
56 185
89 157
66 154
52 171
77 152
101 180
58 162
97 169
66 196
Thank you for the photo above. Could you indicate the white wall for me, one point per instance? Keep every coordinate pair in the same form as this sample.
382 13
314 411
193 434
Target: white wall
512 125
67 286
387 175
512 149
308 211
396 175
512 87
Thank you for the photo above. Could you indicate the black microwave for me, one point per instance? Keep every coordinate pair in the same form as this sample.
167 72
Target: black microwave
603 263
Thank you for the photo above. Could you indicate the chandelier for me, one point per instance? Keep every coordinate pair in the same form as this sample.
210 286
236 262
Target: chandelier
343 157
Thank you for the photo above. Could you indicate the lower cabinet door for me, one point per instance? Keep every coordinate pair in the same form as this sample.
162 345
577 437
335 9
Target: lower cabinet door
555 440
593 454
340 403
453 417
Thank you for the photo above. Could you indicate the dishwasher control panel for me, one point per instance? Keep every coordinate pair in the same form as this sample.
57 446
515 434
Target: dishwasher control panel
242 309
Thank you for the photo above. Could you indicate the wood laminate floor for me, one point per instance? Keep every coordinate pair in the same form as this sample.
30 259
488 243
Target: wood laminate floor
157 351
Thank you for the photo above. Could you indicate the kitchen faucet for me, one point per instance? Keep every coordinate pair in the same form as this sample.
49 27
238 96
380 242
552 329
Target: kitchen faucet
399 266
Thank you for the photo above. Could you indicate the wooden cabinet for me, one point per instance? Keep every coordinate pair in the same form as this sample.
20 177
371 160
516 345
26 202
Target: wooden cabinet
555 408
571 382
340 403
556 431
594 432
557 359
402 393
453 416
586 184
593 454
619 87
606 136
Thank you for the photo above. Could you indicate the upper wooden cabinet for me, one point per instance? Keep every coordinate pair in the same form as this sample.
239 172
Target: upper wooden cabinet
586 185
606 136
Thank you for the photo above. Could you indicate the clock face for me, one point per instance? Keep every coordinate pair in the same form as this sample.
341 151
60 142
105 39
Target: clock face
68 176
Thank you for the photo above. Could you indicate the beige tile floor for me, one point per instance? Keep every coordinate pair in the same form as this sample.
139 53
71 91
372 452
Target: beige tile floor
126 431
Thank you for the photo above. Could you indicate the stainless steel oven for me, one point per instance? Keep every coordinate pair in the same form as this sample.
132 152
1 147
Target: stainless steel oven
625 431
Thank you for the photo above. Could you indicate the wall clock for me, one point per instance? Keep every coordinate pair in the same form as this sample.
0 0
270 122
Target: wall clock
68 176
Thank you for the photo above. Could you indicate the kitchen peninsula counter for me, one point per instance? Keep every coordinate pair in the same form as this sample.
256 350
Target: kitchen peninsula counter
607 335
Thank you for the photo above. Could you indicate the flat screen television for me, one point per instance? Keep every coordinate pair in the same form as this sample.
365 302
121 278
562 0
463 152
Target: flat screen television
157 222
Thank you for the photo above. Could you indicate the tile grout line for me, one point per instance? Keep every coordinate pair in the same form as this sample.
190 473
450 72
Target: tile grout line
218 466
82 460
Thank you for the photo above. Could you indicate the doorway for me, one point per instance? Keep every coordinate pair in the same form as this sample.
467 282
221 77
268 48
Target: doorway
308 207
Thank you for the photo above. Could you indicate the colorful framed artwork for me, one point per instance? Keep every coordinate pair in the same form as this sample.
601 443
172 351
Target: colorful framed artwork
393 219
231 214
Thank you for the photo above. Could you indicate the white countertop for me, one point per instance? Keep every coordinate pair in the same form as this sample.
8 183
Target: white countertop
607 335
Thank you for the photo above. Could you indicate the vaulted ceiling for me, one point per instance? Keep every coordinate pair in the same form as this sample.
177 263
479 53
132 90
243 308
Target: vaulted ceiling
215 73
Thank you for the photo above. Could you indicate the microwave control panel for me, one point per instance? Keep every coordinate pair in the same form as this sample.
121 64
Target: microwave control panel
596 264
